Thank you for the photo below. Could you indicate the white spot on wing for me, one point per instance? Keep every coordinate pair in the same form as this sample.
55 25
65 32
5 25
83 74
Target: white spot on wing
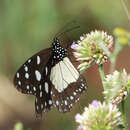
74 93
38 75
77 90
82 84
38 60
46 69
50 102
41 94
40 87
71 97
46 87
19 82
29 60
34 88
57 102
80 90
66 103
26 75
17 75
28 87
26 68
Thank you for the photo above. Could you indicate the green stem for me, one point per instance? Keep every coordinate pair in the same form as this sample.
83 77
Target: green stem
114 55
124 114
113 64
101 71
122 106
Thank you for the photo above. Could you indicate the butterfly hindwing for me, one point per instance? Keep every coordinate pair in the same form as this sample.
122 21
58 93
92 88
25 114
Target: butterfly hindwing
65 100
68 87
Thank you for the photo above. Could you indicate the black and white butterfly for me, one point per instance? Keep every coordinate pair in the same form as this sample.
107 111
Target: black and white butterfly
52 78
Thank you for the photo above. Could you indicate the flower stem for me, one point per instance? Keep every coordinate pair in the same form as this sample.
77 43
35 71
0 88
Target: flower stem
114 55
126 9
124 114
122 106
101 71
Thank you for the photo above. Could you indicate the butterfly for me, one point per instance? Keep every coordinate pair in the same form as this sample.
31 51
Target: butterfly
51 77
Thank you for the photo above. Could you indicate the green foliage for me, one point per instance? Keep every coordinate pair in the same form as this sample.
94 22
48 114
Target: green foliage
26 27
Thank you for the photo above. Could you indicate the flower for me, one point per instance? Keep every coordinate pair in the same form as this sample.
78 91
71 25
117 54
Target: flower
93 48
123 36
80 128
95 103
116 86
102 117
78 117
74 46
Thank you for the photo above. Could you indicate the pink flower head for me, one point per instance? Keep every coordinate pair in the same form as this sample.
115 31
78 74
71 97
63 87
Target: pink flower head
78 117
95 103
74 46
80 128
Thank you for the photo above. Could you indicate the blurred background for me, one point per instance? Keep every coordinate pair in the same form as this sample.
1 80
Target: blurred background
28 26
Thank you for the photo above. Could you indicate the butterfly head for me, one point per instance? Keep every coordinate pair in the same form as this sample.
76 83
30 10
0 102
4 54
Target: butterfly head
58 51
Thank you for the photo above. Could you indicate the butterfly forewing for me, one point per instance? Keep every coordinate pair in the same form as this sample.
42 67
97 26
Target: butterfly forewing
33 78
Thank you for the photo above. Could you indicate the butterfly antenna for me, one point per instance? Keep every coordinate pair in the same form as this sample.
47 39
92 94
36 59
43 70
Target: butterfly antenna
68 30
63 28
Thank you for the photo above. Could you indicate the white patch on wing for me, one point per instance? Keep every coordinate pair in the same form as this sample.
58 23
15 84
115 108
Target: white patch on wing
41 94
29 60
46 70
46 87
62 74
38 59
38 75
26 75
17 75
28 87
50 102
26 68
19 82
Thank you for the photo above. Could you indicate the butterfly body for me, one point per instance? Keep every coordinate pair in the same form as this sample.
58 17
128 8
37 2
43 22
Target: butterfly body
52 78
58 52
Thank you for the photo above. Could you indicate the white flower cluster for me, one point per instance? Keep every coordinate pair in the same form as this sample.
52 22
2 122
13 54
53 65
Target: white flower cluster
116 86
99 116
93 47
